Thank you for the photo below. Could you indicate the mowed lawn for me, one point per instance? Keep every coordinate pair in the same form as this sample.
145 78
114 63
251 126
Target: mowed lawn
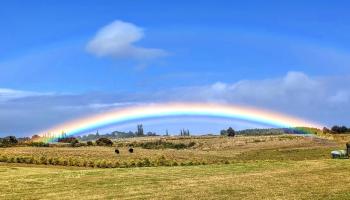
303 179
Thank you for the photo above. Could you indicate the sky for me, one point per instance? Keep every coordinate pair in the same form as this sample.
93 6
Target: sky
61 60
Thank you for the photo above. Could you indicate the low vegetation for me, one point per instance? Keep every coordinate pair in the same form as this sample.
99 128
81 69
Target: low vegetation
186 167
162 144
171 151
104 142
303 179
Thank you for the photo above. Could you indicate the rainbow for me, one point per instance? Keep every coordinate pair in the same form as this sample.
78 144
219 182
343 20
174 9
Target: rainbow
142 112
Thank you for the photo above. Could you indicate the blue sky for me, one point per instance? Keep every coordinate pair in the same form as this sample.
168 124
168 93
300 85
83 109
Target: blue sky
294 55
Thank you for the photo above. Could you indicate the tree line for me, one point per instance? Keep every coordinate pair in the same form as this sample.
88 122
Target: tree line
337 130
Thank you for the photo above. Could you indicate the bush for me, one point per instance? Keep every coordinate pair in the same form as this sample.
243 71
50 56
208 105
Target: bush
340 129
74 143
163 145
38 144
89 143
8 141
231 132
67 140
104 142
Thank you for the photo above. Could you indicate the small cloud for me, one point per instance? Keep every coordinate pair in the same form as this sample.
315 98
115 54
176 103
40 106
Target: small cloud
118 39
10 94
298 80
219 86
340 97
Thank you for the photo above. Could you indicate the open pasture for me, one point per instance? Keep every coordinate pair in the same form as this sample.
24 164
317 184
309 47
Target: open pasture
305 179
203 150
244 167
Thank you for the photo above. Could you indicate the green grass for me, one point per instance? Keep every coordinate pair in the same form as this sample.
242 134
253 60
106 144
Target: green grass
317 179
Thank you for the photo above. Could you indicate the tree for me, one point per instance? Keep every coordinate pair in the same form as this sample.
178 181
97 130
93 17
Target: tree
223 132
184 132
35 137
67 140
343 129
104 142
74 142
231 132
325 130
12 140
139 130
8 141
340 129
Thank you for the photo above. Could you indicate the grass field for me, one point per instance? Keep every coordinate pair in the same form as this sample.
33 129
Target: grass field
266 167
207 150
316 179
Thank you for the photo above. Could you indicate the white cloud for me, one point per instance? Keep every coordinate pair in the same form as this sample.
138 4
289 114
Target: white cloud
340 97
10 94
322 99
219 86
118 39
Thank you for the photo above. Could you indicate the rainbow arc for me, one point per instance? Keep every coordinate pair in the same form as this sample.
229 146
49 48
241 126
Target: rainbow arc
118 116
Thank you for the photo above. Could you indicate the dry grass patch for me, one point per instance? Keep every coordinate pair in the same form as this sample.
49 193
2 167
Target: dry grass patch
198 151
319 179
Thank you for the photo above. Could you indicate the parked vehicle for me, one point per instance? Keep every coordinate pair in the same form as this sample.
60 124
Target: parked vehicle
341 153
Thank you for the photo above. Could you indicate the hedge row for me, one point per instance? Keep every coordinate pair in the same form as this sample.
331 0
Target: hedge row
145 162
158 144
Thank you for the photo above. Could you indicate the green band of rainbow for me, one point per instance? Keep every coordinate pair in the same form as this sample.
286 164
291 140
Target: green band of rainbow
177 109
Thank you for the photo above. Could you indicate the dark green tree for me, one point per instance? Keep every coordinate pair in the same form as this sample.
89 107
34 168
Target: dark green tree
140 130
104 142
74 142
223 132
231 132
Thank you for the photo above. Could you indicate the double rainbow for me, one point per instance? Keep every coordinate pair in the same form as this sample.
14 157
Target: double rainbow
124 115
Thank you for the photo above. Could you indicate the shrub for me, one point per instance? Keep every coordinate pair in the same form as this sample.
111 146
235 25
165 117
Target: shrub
109 164
91 164
74 143
3 159
116 164
165 145
8 141
42 160
38 144
132 163
67 140
231 132
104 142
103 164
89 143
146 162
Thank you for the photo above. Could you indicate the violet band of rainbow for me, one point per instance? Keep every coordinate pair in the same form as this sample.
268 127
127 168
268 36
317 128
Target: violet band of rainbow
140 112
